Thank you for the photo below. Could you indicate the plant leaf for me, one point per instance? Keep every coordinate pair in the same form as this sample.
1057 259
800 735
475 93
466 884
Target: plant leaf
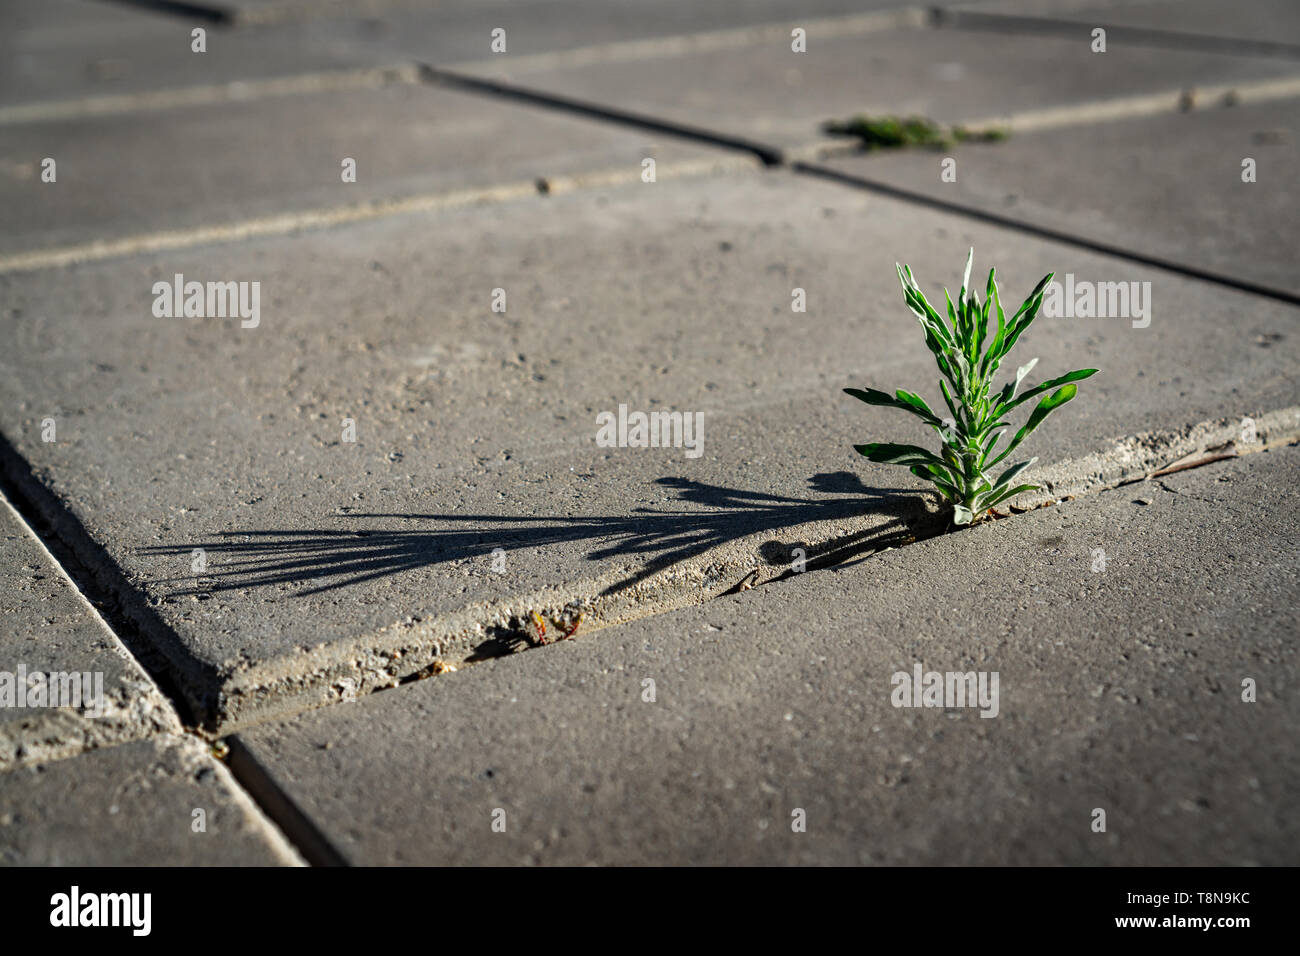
917 405
1037 294
989 365
917 302
1026 314
887 453
911 403
984 315
963 370
1009 390
1006 477
990 440
961 514
1045 407
946 488
1021 373
1075 376
1000 497
905 400
952 407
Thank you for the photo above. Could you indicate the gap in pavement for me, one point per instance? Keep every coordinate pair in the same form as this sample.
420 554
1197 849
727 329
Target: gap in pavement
247 775
312 845
774 157
1041 232
303 829
1282 429
977 21
315 846
18 484
221 16
935 17
433 76
85 564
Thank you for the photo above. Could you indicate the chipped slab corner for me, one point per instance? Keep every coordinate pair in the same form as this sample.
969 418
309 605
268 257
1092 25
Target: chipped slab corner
103 695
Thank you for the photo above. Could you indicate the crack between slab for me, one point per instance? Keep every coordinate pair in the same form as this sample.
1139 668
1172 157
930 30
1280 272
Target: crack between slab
419 649
1042 232
703 42
91 572
978 21
412 650
293 822
205 12
134 710
449 79
286 829
1169 101
799 159
311 219
211 94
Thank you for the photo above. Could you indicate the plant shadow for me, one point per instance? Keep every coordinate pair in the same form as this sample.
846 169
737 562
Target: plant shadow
265 558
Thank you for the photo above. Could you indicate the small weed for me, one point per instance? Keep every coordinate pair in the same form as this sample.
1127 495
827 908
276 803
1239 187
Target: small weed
961 468
893 132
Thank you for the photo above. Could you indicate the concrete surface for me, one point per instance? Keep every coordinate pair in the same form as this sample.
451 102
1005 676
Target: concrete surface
1276 21
462 29
46 627
56 51
768 93
134 805
1164 186
1119 689
564 21
339 569
224 163
337 565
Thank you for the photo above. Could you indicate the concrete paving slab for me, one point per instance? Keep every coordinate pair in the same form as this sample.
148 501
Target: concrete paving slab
53 52
698 736
143 173
61 52
100 696
159 802
1274 21
769 93
334 566
462 29
1167 186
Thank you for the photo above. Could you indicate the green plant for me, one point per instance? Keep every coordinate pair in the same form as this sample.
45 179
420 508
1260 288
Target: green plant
961 469
895 132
